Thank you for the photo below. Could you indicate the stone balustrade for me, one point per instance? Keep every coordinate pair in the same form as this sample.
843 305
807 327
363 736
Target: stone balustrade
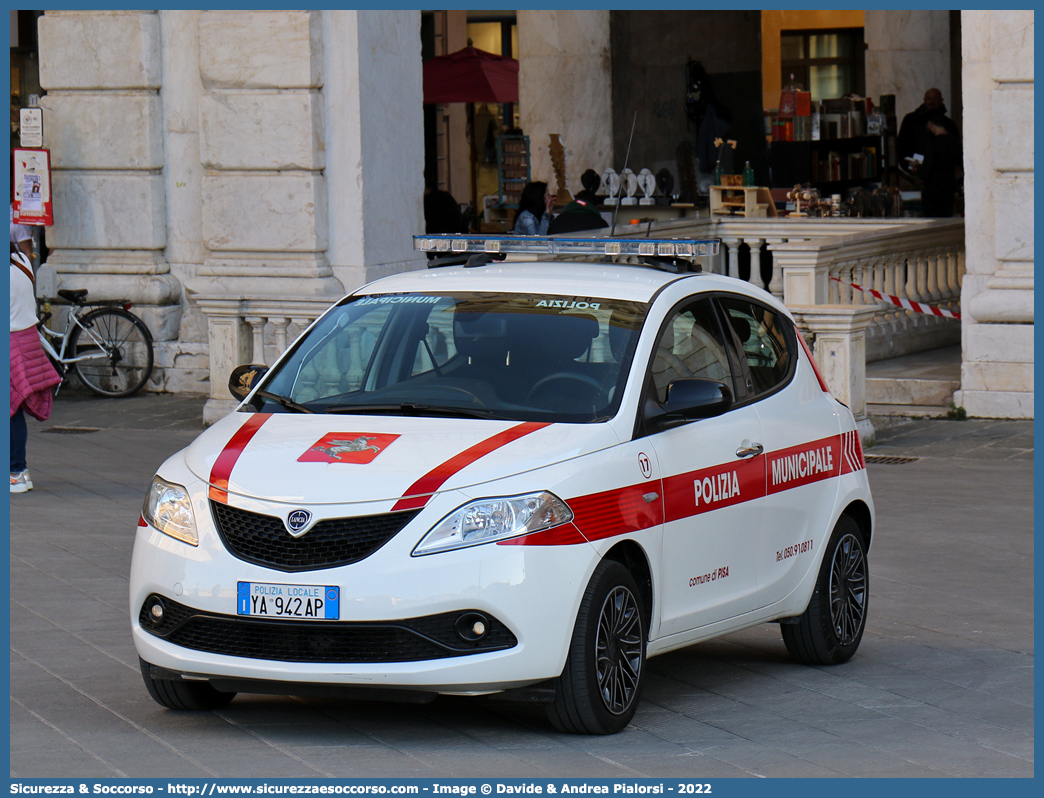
250 330
814 262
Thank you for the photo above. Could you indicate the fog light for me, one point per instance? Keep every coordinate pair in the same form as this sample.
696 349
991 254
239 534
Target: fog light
472 626
156 610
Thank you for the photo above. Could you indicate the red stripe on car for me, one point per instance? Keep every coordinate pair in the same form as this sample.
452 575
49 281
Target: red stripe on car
852 449
226 461
617 512
565 535
418 494
623 510
712 488
805 463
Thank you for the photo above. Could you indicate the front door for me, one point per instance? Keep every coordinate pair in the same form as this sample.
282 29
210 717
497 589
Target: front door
713 480
803 450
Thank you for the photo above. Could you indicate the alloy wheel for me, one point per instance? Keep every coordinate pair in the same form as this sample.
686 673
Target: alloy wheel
848 590
618 650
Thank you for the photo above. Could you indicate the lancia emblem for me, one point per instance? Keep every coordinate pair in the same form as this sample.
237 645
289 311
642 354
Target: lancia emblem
297 522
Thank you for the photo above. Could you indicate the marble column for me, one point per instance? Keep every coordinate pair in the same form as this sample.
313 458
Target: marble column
997 291
261 122
311 142
374 143
907 53
103 121
565 87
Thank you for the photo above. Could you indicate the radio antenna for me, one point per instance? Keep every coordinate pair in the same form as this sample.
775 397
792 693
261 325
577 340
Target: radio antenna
616 210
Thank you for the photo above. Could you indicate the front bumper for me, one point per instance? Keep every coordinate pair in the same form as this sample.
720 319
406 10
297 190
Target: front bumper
389 602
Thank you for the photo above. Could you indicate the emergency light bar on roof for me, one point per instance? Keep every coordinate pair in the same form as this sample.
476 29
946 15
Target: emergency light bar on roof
543 245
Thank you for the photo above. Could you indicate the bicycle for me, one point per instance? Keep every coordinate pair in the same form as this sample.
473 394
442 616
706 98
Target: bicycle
108 347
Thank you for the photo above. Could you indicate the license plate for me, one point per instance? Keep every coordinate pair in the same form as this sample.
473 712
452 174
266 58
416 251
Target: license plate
303 602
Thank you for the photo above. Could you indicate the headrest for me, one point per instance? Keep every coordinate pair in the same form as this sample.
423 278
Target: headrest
480 334
742 328
558 337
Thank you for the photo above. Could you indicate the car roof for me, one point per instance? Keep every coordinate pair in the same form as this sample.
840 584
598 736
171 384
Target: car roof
605 280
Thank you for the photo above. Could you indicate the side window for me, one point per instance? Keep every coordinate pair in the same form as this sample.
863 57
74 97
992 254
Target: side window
766 346
691 346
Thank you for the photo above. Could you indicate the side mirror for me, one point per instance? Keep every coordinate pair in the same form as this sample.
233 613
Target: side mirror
243 379
695 397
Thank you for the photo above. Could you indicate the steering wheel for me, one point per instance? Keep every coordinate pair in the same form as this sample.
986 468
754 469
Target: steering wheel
564 375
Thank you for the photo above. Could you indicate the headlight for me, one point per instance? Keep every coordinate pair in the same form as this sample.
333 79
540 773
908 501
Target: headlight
167 507
488 520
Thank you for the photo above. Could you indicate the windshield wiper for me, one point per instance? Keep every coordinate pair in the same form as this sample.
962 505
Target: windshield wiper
285 401
412 408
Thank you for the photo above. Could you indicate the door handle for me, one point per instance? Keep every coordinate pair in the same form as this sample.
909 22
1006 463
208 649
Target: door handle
748 449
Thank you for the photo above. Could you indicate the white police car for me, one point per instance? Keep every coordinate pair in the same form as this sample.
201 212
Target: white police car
521 476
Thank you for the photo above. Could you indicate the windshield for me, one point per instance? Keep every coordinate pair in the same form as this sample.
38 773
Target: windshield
529 357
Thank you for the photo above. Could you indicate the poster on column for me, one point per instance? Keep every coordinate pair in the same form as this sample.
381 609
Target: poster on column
32 187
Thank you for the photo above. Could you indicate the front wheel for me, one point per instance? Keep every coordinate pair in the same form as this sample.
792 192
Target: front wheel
116 348
829 631
184 695
599 688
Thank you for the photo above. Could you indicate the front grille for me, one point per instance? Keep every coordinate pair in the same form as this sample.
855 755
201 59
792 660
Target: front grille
262 539
409 640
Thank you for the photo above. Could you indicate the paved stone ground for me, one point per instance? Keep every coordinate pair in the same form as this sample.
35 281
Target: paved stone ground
942 685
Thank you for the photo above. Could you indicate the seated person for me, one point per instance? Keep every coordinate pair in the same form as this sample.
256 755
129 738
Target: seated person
578 215
441 212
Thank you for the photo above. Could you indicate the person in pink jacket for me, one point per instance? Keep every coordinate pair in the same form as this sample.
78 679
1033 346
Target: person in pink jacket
32 375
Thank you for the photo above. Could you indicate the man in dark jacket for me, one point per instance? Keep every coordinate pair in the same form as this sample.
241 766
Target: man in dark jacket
941 169
913 133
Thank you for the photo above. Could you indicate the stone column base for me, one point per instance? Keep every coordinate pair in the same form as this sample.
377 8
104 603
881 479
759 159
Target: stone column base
995 404
236 327
216 409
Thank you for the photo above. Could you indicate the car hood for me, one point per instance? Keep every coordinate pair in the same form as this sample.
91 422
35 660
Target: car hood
340 459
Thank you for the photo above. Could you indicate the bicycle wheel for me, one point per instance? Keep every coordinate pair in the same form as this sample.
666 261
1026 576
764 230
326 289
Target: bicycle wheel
117 350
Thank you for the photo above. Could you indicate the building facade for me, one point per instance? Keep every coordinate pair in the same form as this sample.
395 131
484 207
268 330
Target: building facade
204 159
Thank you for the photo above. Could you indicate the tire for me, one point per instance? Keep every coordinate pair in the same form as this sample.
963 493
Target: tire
601 683
125 365
829 631
183 695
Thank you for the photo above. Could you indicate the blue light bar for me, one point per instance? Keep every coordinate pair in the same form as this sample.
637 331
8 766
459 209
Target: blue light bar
542 245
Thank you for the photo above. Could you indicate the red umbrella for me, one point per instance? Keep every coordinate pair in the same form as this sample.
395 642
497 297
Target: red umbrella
471 76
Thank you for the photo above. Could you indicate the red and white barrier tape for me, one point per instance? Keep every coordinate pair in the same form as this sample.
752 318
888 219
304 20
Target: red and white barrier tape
916 307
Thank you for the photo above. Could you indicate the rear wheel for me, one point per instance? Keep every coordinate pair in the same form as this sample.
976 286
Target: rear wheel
177 694
600 685
117 350
829 631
